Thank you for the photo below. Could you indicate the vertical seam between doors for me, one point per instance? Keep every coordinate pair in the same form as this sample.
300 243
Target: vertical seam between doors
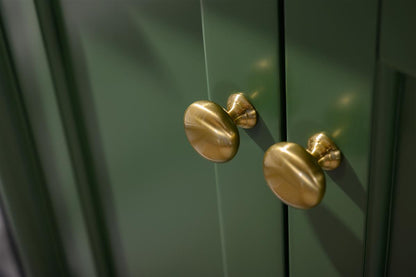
283 121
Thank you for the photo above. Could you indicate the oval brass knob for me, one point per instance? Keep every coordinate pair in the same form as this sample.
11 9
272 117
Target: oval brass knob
295 174
212 131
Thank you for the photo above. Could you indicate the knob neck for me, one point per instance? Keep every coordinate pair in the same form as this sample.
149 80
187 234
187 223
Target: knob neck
241 111
325 151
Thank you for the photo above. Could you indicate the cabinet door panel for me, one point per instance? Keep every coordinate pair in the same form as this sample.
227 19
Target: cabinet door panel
330 61
127 71
242 54
133 67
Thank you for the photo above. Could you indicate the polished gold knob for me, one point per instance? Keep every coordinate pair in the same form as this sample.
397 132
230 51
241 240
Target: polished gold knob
212 131
295 174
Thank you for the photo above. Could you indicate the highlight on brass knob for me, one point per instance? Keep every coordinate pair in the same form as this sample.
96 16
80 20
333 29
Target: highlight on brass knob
212 131
295 174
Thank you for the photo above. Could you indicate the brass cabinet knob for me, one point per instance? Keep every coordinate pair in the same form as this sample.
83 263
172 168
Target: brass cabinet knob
212 131
295 174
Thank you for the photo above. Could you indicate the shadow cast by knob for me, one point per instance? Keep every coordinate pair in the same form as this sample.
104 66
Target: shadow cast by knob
260 134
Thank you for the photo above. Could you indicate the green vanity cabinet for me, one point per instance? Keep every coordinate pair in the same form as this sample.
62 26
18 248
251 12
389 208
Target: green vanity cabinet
97 176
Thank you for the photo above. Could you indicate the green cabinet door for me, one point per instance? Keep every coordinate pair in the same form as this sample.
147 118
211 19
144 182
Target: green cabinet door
131 196
350 72
398 55
330 71
239 57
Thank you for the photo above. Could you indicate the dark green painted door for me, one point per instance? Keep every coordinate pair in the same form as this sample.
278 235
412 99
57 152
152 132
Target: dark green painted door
330 70
352 77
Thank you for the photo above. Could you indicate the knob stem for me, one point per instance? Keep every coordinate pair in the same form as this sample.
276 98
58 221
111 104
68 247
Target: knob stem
241 111
325 151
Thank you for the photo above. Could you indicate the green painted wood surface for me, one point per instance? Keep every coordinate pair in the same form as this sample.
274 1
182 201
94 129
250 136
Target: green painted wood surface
86 172
22 183
105 92
386 104
397 49
330 68
136 66
402 242
123 73
397 35
34 77
241 40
